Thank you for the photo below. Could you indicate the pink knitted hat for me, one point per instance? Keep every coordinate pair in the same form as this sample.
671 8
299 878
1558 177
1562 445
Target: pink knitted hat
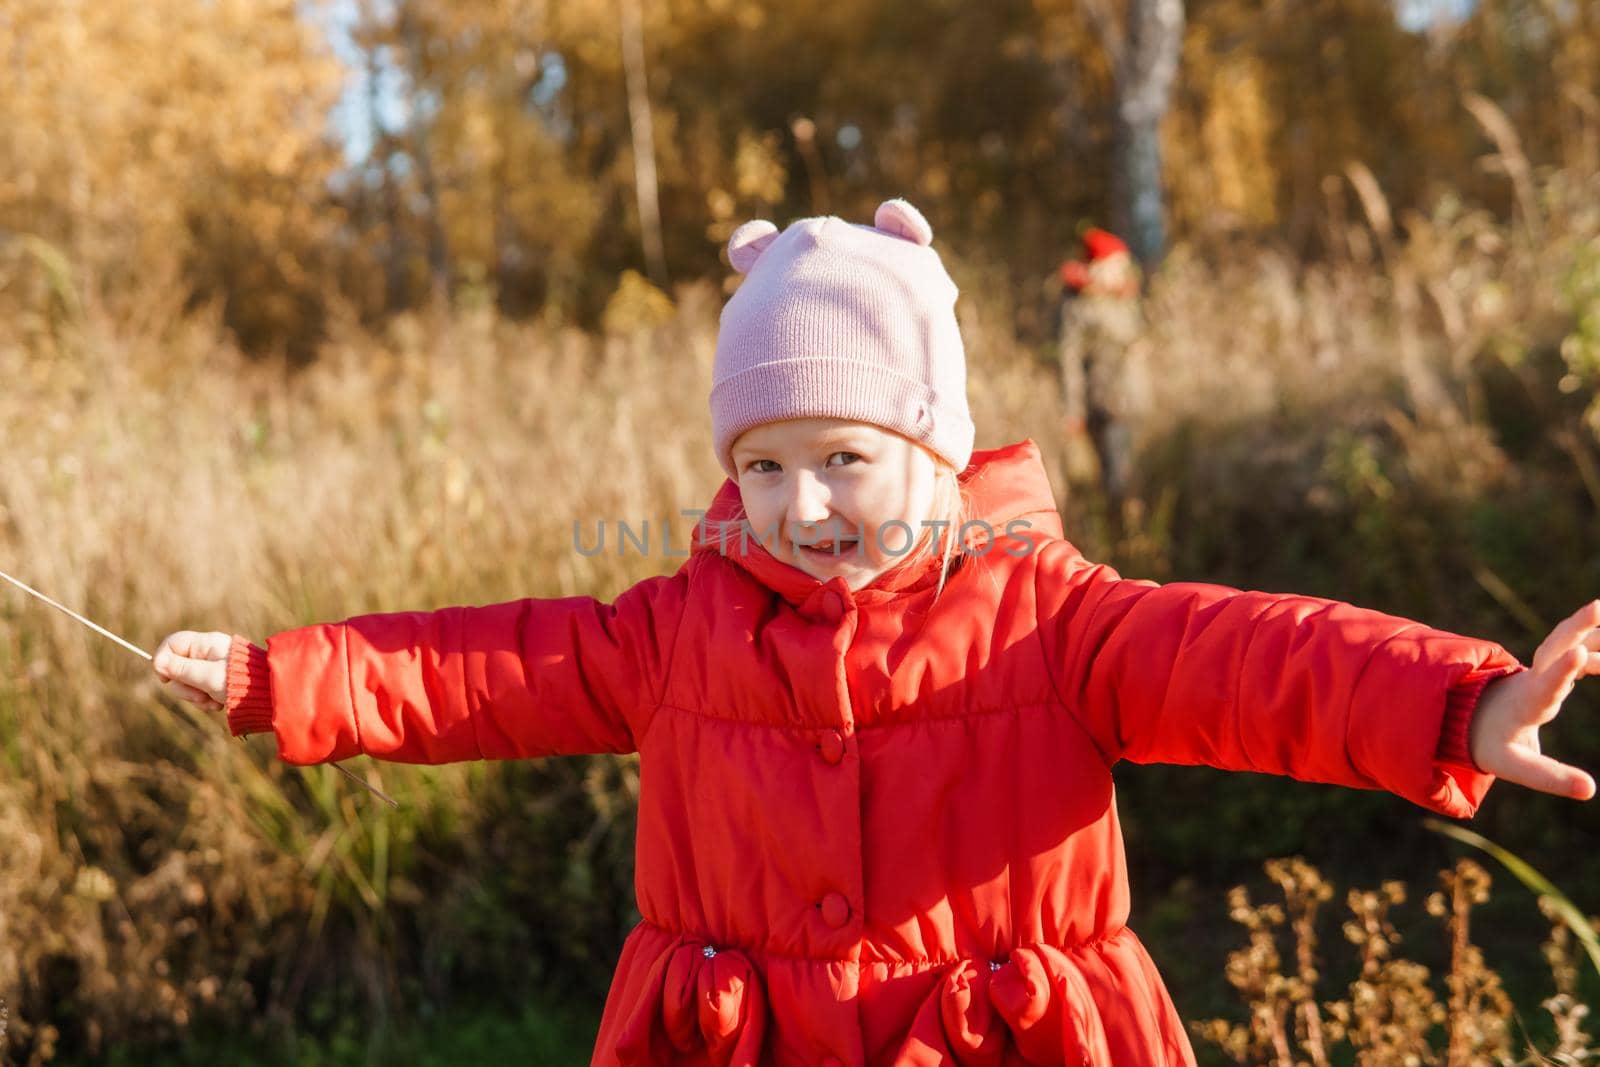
836 320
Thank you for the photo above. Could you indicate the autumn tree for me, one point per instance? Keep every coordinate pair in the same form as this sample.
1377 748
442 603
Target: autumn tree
172 140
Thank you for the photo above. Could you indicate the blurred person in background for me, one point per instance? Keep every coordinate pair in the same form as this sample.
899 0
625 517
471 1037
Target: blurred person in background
1103 375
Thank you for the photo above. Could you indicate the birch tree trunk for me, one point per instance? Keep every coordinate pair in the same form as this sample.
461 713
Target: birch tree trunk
631 23
1144 51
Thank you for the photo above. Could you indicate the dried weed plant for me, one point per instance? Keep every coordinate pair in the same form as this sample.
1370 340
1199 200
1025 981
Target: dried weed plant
1392 1012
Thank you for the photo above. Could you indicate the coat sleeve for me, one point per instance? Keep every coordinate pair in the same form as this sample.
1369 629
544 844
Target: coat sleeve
533 677
1315 689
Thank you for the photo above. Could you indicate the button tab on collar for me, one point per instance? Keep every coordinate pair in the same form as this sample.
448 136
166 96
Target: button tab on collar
828 603
832 606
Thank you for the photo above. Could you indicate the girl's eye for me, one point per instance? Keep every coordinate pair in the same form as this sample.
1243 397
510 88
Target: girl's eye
850 457
756 465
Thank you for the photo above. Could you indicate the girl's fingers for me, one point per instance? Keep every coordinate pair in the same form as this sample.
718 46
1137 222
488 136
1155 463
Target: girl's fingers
1540 772
181 653
1569 632
195 696
1552 681
167 653
196 663
1590 643
210 677
162 657
193 645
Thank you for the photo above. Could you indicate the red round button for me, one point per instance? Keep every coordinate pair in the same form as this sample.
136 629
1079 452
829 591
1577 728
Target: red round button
832 746
835 910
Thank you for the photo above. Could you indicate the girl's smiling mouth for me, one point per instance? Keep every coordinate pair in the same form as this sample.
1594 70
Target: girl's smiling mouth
825 550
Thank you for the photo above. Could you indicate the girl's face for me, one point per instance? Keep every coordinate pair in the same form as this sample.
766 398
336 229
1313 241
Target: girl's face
838 499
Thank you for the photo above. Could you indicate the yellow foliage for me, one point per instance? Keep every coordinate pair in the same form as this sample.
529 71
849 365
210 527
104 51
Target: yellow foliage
759 173
636 306
1221 167
141 135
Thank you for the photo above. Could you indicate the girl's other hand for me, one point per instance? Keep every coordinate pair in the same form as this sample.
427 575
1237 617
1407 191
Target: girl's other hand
197 664
1504 736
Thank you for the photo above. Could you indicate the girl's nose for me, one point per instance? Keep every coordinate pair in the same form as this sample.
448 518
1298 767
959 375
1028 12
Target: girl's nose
808 499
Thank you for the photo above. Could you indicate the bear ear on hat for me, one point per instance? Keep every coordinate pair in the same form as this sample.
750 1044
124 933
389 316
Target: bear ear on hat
748 242
901 219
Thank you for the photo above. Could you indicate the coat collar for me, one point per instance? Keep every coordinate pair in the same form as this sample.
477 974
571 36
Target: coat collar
1002 484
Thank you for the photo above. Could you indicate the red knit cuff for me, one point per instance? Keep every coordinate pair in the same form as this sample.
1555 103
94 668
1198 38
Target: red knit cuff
1460 704
249 688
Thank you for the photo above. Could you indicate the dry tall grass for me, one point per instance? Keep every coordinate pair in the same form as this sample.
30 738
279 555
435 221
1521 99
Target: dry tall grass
155 874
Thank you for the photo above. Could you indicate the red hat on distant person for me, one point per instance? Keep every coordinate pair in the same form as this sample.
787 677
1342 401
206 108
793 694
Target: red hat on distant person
1098 244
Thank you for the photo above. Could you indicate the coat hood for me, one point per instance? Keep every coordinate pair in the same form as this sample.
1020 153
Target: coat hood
1001 485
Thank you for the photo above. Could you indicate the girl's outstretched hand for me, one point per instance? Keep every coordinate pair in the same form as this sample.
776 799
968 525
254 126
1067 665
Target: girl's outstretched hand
1504 736
197 664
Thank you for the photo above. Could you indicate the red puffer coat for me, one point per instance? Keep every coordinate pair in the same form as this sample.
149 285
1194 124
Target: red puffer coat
876 827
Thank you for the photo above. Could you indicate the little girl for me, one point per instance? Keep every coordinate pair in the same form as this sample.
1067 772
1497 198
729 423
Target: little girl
878 707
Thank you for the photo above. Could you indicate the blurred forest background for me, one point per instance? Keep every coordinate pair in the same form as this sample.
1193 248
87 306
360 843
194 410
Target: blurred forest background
316 307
